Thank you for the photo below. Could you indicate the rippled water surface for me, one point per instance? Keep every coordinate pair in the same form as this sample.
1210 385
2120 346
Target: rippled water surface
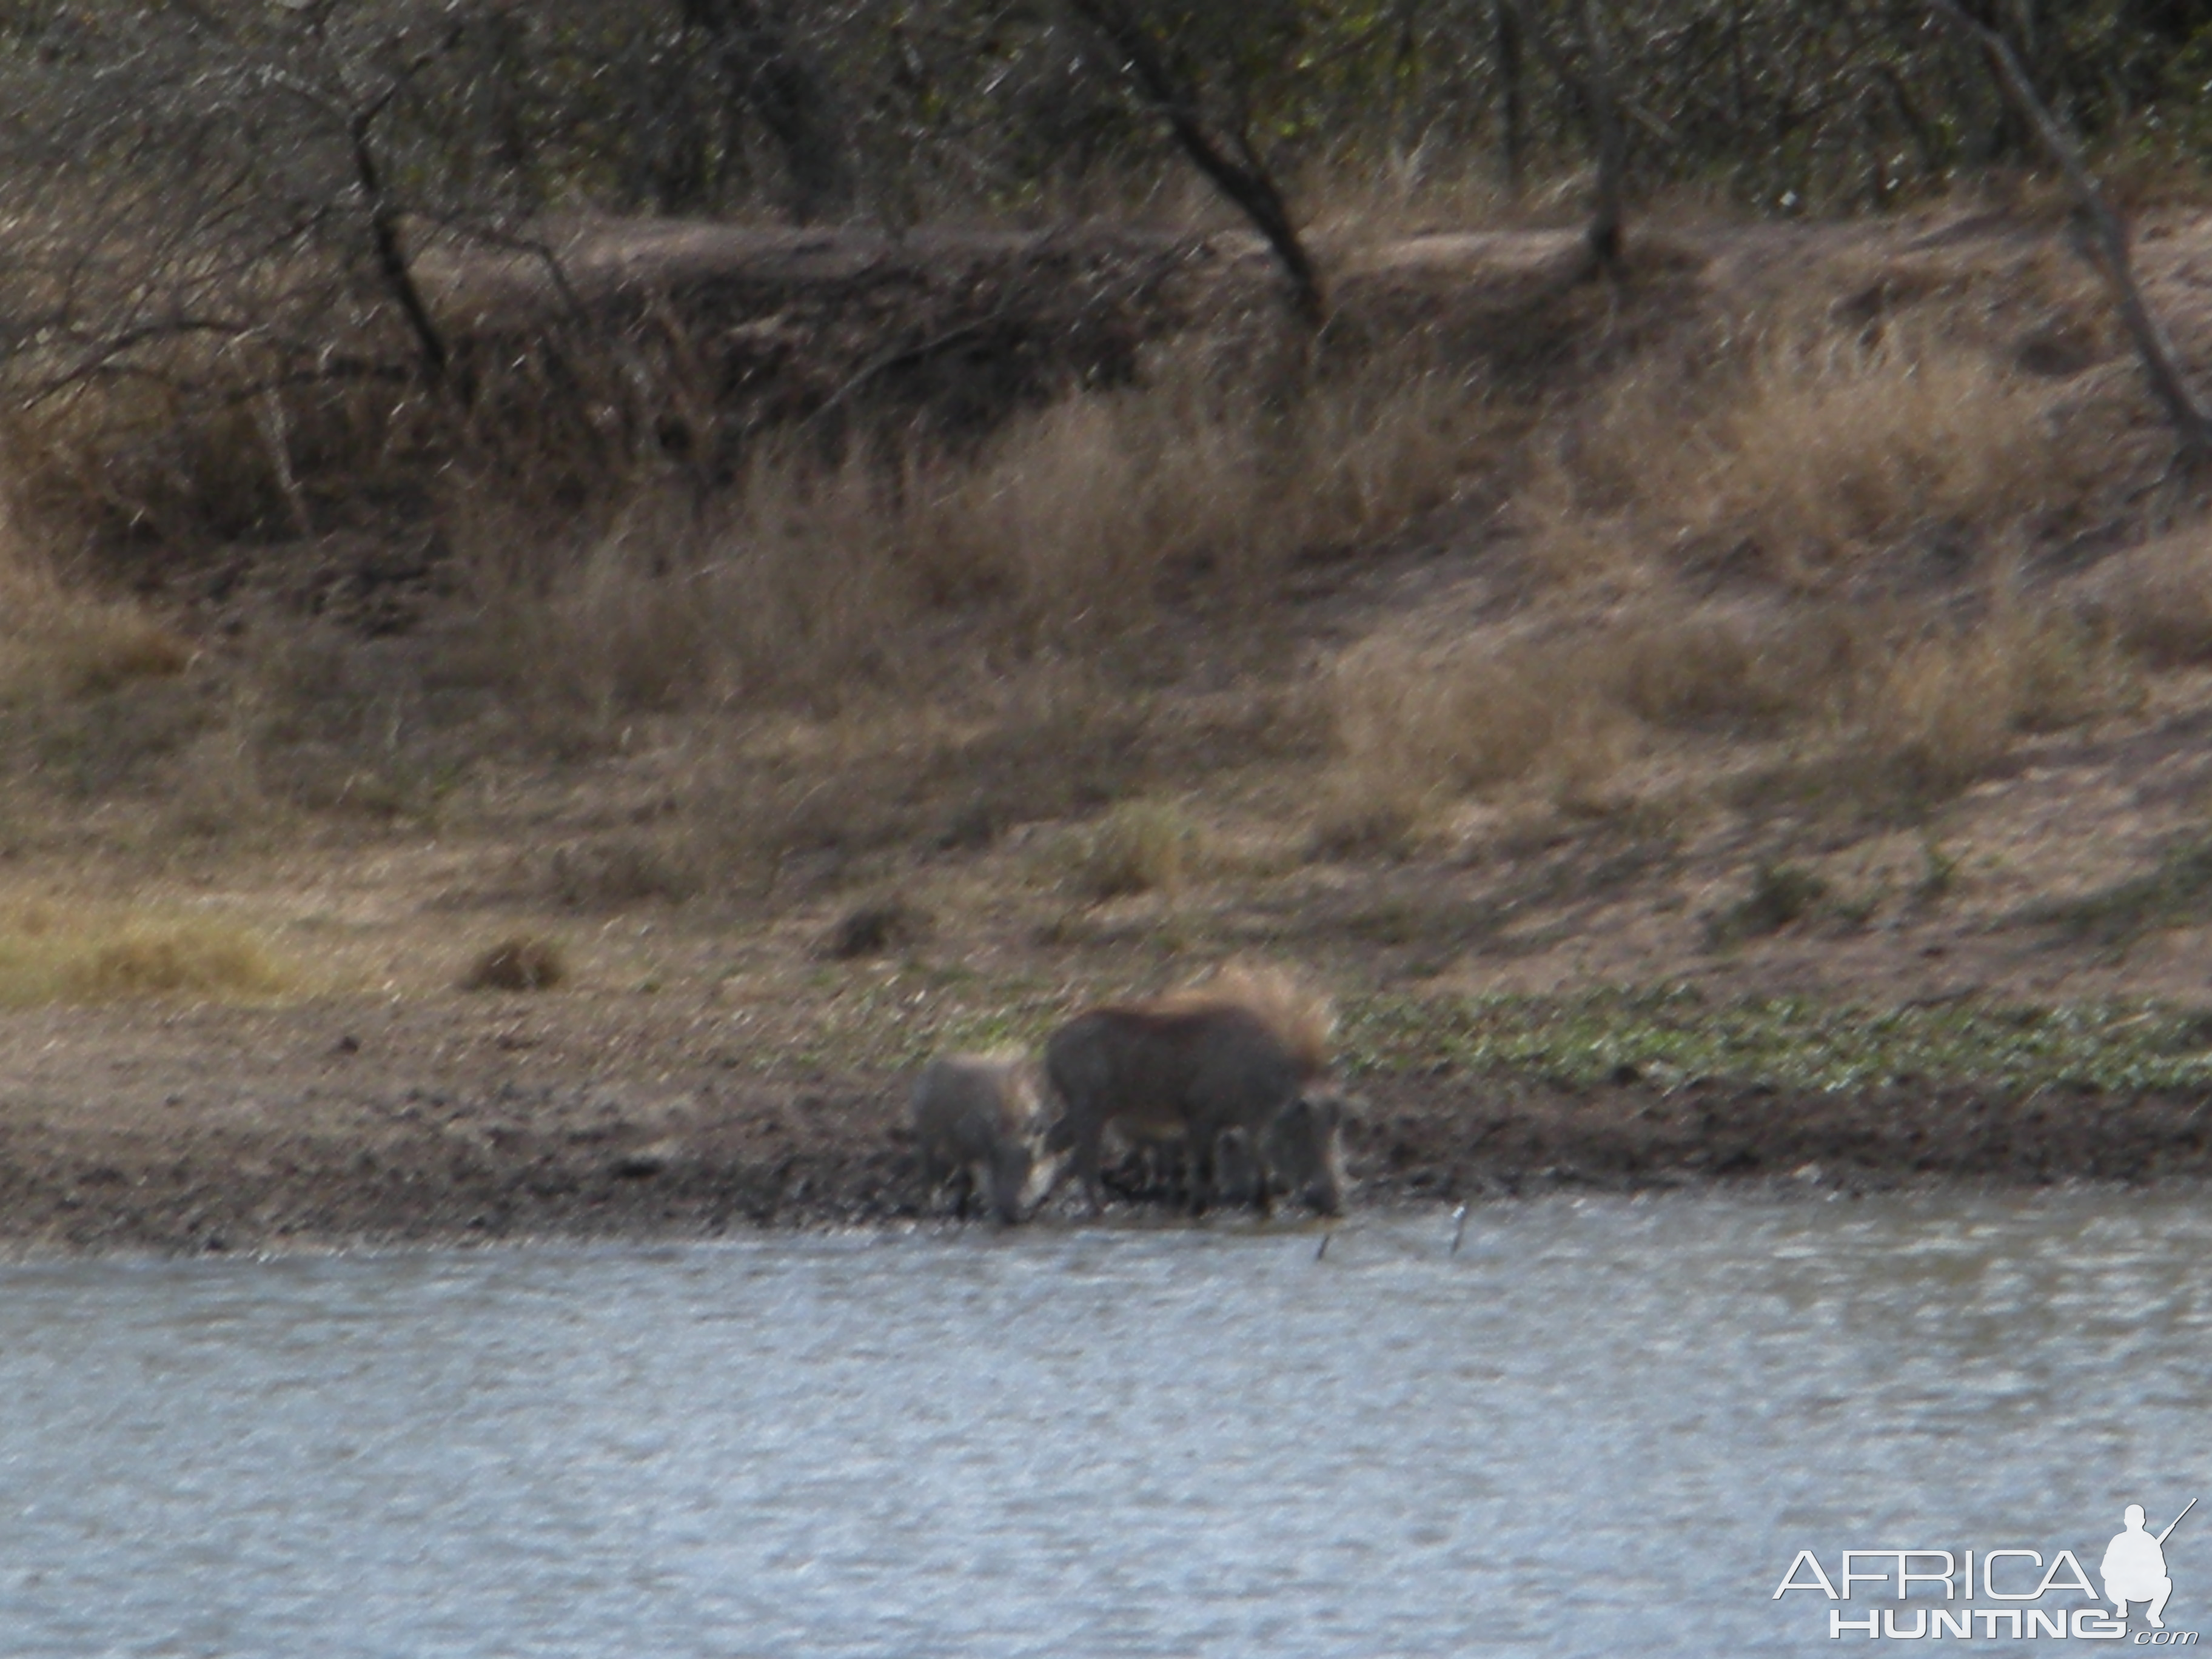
1603 1427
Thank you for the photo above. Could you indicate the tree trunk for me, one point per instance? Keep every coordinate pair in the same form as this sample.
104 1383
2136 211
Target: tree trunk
764 65
2107 243
1241 176
390 253
1606 231
1513 93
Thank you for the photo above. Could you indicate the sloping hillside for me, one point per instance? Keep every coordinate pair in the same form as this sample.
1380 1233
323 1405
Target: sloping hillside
1810 615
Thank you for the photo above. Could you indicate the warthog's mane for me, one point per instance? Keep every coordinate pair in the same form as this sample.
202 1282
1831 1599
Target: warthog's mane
1301 1018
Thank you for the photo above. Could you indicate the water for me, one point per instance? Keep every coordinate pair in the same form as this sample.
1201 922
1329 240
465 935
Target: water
1604 1427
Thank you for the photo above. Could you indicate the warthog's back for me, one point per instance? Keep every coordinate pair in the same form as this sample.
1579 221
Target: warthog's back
967 1104
1188 1068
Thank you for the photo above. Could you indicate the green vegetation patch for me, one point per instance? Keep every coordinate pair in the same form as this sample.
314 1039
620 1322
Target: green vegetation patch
1675 1035
1667 1034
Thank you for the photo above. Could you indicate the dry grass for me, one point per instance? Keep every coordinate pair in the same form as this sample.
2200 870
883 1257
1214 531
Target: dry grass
1796 529
49 953
1811 448
1925 703
58 642
1950 703
871 645
1140 846
786 591
2157 599
1066 532
1414 724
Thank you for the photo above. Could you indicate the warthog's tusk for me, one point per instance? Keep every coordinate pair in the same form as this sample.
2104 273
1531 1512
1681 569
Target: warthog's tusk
1459 1227
1323 1251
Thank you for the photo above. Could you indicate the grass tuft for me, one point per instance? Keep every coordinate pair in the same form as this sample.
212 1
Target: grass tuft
887 924
525 962
1806 448
95 956
1140 846
1781 894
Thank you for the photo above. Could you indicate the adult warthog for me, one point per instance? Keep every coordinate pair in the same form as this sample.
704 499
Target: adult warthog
1192 1068
978 1123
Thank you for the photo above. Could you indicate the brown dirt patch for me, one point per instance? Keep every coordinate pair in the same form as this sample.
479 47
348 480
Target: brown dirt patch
355 1122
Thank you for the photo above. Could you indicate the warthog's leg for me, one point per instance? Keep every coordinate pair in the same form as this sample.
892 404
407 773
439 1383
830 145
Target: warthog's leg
1165 1162
1011 1164
963 1183
1240 1172
1199 1159
1090 1133
935 1172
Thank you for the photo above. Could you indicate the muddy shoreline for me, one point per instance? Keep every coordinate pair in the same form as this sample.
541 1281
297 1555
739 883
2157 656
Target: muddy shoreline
373 1160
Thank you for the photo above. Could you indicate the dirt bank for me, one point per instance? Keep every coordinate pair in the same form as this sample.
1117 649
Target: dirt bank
1652 819
349 1122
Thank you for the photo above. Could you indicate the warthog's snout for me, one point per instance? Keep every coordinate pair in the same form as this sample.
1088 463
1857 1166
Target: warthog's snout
1304 1150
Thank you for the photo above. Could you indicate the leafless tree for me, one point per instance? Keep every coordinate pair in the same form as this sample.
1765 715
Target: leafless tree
759 57
2108 237
1222 149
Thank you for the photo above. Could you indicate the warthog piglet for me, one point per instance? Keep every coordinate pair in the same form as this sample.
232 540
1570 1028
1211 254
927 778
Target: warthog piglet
977 1122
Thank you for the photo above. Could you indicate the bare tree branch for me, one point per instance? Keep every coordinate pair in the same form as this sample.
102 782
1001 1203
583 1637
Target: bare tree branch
1243 179
358 121
792 100
2109 251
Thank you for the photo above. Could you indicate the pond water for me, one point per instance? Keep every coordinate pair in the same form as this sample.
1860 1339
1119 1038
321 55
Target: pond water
1601 1427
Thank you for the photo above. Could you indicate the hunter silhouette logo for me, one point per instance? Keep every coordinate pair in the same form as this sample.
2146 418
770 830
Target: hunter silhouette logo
2025 1593
2135 1566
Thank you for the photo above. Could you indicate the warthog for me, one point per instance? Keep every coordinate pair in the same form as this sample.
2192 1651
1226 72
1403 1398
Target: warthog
978 1120
1191 1069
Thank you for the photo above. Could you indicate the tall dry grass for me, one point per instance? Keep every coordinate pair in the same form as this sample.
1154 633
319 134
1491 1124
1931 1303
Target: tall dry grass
1909 702
105 953
2157 599
1809 446
813 580
61 641
1948 704
867 636
1802 528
